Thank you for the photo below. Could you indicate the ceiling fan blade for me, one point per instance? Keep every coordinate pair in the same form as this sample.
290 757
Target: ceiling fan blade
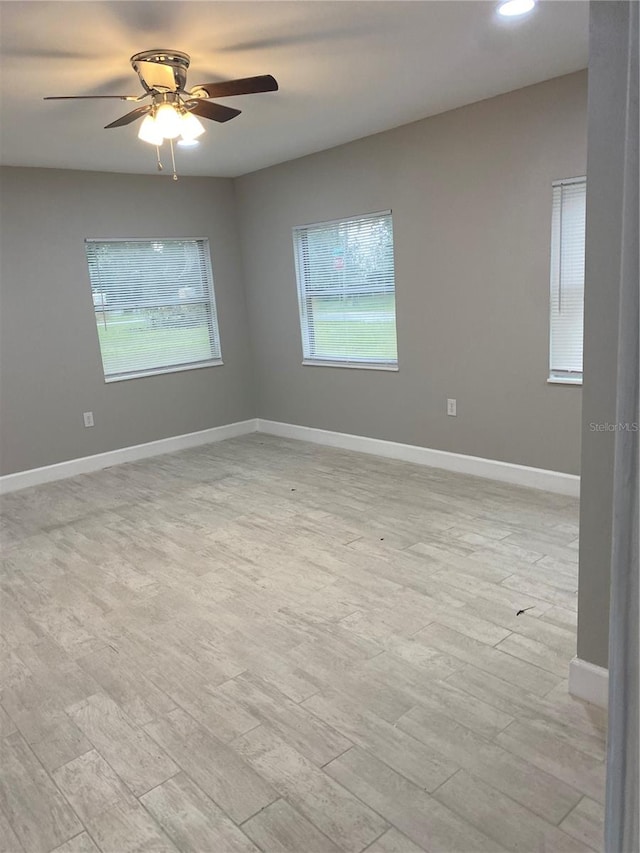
215 112
129 117
245 86
91 97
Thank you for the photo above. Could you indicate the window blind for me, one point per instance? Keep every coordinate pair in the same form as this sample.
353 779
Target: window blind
154 305
567 278
346 291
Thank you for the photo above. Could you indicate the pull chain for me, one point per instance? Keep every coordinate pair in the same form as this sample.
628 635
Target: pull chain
173 160
160 166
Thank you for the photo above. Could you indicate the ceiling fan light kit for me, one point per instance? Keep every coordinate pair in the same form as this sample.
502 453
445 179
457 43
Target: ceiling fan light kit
174 109
190 127
168 121
149 132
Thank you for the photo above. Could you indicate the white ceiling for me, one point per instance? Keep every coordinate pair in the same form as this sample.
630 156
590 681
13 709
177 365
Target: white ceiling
345 69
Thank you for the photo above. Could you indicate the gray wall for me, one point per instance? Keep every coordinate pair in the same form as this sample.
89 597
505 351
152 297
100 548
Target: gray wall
470 192
471 196
608 48
50 360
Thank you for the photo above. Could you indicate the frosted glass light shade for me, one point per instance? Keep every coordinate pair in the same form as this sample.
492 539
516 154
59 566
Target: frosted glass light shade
149 131
168 121
190 127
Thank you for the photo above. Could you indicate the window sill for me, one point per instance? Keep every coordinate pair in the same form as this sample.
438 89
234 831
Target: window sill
351 364
163 370
564 380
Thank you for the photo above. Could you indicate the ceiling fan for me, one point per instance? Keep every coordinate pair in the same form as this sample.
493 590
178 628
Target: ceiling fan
173 110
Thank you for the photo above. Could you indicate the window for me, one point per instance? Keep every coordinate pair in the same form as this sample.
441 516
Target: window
346 292
567 280
154 305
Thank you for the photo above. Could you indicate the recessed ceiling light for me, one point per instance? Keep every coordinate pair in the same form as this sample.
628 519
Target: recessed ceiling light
514 8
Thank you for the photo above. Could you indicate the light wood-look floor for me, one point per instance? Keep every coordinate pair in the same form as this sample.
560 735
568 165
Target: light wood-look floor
263 645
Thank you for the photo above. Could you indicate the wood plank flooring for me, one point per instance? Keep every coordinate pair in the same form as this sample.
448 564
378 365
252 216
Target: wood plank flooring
264 645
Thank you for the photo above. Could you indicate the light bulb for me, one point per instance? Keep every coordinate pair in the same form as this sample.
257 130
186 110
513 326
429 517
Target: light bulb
149 131
513 8
168 121
190 127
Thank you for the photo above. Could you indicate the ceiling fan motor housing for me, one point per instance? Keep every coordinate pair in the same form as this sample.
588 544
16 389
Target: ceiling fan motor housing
162 70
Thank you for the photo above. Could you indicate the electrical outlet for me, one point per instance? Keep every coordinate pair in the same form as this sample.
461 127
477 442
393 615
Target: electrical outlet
451 408
88 418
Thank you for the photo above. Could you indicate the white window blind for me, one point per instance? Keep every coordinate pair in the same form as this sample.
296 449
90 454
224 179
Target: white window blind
154 305
567 279
346 291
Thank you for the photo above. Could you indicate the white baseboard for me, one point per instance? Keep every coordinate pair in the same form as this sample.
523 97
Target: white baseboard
86 464
520 475
589 682
506 472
